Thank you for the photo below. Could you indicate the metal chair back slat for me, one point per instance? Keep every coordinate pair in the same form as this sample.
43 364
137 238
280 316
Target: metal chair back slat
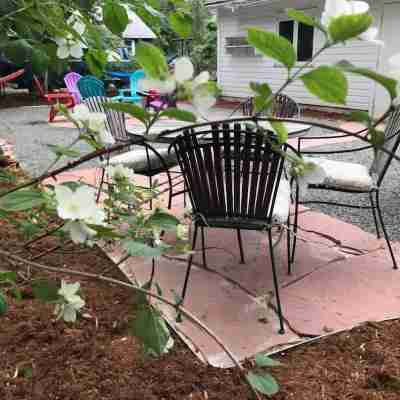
392 140
283 107
232 175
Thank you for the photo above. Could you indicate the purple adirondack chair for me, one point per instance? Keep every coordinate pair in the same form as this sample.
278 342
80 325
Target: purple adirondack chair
71 80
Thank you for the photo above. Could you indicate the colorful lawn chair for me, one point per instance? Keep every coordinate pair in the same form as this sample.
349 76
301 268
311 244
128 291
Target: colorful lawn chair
90 86
8 78
130 95
54 98
71 79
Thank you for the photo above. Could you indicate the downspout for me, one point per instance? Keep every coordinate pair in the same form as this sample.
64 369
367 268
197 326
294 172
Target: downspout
379 56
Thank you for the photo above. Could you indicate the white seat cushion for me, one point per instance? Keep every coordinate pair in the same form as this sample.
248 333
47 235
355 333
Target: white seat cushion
137 159
343 175
282 202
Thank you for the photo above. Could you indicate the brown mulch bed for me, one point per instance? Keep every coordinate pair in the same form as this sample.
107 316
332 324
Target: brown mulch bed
90 360
19 99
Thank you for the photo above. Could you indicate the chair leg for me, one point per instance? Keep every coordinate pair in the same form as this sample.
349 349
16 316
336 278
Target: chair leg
203 247
278 300
385 234
296 217
239 236
151 185
189 266
371 199
103 172
288 240
52 113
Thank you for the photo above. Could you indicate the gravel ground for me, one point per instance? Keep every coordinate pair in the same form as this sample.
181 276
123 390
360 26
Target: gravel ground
27 129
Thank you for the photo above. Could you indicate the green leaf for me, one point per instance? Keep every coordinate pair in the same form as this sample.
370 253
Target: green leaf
376 137
181 23
60 151
46 291
132 109
388 83
96 60
263 100
152 330
115 17
328 83
359 116
347 27
106 232
181 115
152 60
272 45
261 89
3 304
8 276
281 131
163 220
264 361
305 19
140 249
265 383
22 200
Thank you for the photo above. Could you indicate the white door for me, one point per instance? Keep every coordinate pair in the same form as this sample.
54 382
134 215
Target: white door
391 38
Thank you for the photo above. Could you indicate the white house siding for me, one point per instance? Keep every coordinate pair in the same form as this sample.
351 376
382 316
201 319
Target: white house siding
236 71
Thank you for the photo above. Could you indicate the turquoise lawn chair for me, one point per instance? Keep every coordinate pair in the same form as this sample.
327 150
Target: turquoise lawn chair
90 86
130 95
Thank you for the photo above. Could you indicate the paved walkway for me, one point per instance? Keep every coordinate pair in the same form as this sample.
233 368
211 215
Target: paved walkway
342 276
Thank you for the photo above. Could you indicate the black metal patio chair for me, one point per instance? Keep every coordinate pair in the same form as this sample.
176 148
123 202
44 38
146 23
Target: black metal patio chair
145 158
283 107
234 180
353 178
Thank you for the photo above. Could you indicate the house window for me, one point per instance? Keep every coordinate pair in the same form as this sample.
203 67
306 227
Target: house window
302 37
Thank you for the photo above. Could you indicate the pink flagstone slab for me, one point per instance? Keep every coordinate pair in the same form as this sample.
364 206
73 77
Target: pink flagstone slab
343 294
226 309
255 275
90 176
334 232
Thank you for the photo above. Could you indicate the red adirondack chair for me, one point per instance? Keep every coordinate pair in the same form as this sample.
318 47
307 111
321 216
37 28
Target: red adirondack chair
54 98
8 78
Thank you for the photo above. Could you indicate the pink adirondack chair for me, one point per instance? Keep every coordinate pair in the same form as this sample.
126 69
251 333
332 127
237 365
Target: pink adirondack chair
71 79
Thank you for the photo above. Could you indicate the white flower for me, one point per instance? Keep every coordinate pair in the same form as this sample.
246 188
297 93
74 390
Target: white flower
162 87
96 122
182 232
337 8
72 302
370 35
81 114
203 100
203 77
79 232
119 172
77 205
183 69
70 45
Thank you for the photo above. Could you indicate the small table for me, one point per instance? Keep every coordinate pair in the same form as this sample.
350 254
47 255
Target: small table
162 126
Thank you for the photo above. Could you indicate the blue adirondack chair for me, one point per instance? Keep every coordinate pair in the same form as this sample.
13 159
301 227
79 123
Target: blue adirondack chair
130 95
90 86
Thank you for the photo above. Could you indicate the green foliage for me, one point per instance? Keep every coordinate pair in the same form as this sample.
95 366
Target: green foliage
152 60
181 115
348 27
389 84
281 131
22 200
328 83
60 151
8 276
300 16
273 46
115 17
96 60
131 109
263 99
46 291
140 249
264 383
181 23
152 330
3 304
265 361
163 220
